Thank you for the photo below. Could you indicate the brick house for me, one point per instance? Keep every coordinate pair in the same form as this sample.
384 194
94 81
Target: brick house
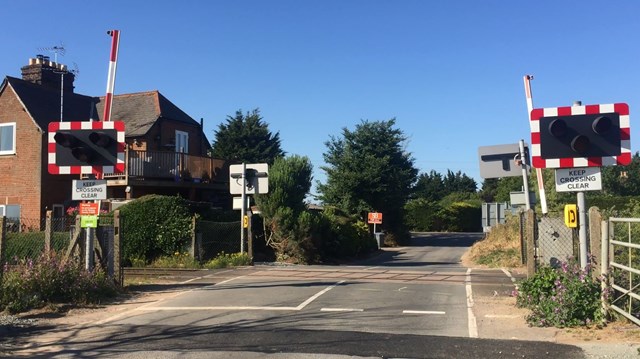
166 148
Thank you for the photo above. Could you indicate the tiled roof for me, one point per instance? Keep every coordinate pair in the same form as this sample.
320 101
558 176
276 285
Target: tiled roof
43 103
141 110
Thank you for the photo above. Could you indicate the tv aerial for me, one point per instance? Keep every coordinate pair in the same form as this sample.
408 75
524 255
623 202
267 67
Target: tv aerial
55 50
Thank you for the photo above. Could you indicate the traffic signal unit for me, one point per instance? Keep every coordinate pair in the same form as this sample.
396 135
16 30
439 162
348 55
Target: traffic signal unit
86 147
580 136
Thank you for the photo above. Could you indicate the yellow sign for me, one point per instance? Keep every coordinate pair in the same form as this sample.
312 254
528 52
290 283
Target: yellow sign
89 221
571 215
245 222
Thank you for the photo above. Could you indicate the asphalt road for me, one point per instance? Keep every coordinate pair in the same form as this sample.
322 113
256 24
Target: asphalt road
410 302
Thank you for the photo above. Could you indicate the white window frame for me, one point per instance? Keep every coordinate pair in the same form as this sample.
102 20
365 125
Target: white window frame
2 210
11 151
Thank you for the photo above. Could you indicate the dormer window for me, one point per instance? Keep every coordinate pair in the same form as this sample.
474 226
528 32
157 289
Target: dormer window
8 138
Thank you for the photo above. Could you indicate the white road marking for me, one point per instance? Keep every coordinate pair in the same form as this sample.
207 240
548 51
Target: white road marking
513 280
148 305
341 310
423 312
473 326
298 308
306 302
206 276
214 308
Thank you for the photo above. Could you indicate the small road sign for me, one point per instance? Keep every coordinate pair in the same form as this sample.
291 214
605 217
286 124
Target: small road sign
578 179
88 209
83 190
571 215
256 179
88 221
374 218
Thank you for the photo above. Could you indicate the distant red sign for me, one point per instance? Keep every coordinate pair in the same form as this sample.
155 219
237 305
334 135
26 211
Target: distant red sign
374 218
88 209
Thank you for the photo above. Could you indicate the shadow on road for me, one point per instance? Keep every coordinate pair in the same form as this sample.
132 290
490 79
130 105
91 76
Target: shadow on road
444 239
267 336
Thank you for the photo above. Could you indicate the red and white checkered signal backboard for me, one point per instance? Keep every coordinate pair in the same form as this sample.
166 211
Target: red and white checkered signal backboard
117 167
624 158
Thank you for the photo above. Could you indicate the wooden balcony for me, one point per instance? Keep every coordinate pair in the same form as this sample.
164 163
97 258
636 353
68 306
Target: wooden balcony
165 166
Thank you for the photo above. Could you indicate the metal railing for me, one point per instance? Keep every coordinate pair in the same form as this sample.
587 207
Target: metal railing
171 165
621 266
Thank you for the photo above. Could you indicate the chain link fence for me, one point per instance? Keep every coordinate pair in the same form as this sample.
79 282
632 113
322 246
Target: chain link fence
214 238
556 241
27 238
546 240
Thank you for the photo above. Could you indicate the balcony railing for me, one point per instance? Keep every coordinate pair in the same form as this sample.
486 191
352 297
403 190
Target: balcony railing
173 166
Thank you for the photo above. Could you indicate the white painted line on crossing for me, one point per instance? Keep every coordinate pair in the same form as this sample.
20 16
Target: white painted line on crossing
317 295
206 276
423 312
513 280
148 305
473 326
341 310
214 308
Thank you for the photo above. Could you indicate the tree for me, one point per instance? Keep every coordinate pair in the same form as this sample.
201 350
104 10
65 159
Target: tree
288 225
368 169
246 138
429 186
458 182
622 180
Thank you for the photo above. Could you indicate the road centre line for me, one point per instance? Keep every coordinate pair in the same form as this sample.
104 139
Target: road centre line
341 310
214 308
423 312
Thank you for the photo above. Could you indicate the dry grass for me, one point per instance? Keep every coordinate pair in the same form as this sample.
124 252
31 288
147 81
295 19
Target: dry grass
500 248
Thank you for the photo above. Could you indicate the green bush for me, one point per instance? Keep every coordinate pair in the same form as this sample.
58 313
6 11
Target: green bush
29 284
567 296
177 260
228 260
344 236
155 226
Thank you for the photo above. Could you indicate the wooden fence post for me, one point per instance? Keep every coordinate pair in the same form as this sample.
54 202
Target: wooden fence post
595 240
118 274
48 232
194 232
531 242
3 233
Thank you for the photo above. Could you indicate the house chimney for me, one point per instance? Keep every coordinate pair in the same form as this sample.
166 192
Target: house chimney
42 71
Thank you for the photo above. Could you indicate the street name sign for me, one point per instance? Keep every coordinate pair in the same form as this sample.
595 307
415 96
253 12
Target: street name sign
84 190
578 179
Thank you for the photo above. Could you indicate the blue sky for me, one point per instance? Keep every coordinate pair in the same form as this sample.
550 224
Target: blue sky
450 72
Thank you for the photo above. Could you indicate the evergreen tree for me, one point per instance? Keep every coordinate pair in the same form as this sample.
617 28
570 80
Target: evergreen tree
368 169
246 138
430 186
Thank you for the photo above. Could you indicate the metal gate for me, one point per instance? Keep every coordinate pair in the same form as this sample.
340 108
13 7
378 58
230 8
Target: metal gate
621 266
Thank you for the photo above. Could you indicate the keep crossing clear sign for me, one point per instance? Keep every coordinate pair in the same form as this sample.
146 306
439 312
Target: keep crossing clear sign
578 179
